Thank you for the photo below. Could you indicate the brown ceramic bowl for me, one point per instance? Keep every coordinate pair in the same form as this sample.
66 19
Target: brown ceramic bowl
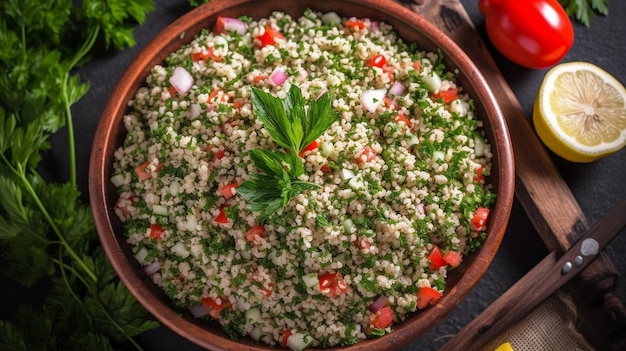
411 27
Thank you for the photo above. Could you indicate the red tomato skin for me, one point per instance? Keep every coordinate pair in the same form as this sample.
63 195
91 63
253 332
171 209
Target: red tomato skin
479 219
436 259
532 33
427 296
382 318
156 231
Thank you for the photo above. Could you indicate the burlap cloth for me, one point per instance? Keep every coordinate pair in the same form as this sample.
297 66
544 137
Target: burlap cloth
550 326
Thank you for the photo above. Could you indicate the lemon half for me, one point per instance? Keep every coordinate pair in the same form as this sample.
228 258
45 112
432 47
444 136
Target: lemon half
580 112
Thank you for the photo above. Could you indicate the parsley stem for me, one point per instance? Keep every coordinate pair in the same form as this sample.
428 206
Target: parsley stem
85 48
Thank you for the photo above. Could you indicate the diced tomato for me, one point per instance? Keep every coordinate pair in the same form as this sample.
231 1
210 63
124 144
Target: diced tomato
172 90
256 231
378 61
266 292
479 220
427 296
228 190
209 53
143 171
215 306
214 93
362 244
354 24
326 168
436 259
447 95
156 231
366 155
332 284
219 154
218 27
382 318
404 119
259 78
312 146
221 217
286 335
417 65
452 258
214 153
269 37
479 174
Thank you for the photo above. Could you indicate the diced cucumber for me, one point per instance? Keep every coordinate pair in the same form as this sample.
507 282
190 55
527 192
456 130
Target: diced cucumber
347 174
181 250
432 81
437 157
479 146
299 341
253 315
174 188
356 182
310 280
331 17
118 179
348 225
326 148
256 333
159 210
141 255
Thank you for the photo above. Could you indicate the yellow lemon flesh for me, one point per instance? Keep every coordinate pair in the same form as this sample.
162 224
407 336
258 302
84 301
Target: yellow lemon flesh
580 112
504 347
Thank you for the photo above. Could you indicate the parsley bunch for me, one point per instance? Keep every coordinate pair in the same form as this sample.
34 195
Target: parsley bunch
47 234
293 123
584 10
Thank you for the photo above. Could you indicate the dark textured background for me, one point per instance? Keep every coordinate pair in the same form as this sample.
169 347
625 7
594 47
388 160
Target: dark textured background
597 186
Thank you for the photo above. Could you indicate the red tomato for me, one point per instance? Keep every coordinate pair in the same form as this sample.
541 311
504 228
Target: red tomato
332 284
378 61
286 335
447 95
269 37
531 33
256 231
366 155
218 27
156 231
215 306
326 168
427 296
143 171
354 25
404 119
479 174
205 55
362 244
479 220
227 190
221 217
312 146
452 258
382 318
436 259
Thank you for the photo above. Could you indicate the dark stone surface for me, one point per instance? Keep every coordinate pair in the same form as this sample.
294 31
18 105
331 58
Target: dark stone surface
597 186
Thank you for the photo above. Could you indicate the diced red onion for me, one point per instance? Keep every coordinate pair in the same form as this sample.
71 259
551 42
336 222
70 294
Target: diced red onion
371 99
379 303
396 89
194 111
152 268
181 80
235 25
199 311
374 26
279 76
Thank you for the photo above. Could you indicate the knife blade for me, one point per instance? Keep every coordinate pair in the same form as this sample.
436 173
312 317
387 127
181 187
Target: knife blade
538 284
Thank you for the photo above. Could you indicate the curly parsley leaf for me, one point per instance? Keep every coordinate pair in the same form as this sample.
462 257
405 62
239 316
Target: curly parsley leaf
584 10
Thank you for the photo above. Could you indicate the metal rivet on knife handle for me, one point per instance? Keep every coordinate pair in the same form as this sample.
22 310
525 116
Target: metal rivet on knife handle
578 260
567 267
589 247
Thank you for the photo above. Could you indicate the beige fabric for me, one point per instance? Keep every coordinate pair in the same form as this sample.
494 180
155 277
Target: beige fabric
550 326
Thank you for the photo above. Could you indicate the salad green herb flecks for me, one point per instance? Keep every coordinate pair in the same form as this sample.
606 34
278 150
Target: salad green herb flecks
46 230
293 123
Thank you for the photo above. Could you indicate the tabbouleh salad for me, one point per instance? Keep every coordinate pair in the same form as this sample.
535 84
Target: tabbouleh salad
305 182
